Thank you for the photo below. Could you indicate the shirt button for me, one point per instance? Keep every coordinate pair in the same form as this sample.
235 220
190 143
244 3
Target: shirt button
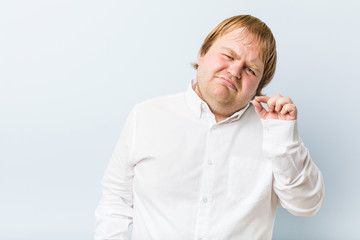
205 200
210 162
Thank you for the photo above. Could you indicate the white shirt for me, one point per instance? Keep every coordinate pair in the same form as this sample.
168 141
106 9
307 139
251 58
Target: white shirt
176 174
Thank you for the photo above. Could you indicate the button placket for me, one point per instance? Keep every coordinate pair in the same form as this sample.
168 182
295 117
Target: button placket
202 227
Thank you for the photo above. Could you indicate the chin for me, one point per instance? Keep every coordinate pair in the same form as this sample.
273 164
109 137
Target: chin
223 94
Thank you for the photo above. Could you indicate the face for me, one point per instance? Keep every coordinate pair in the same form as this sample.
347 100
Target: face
229 73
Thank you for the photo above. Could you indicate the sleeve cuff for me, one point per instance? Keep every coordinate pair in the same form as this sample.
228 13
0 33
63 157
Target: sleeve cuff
280 132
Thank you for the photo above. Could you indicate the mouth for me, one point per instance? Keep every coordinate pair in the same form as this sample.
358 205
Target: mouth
228 83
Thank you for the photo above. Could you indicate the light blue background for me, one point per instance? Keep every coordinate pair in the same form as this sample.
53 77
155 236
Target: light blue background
70 71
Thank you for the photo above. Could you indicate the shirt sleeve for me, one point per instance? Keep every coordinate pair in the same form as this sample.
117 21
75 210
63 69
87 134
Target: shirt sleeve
114 213
298 182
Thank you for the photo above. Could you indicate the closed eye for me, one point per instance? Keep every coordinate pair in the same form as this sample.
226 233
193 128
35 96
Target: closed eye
228 57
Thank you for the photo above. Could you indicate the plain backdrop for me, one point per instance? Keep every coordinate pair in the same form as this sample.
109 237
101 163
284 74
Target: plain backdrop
70 71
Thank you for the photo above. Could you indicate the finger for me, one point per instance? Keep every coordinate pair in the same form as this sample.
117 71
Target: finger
272 102
280 102
259 109
289 109
262 99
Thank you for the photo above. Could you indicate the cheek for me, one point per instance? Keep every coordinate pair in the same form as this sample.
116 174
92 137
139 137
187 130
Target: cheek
251 85
219 61
214 62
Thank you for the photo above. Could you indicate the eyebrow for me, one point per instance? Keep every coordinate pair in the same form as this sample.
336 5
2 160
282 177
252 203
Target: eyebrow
233 53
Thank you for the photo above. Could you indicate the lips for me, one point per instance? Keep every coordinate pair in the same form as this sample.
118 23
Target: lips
228 83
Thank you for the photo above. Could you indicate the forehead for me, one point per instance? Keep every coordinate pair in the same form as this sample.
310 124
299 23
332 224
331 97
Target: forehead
239 38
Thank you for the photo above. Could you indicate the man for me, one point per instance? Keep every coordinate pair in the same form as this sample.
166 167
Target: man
209 163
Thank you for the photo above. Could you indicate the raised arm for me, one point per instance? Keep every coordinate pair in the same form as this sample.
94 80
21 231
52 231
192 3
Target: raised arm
298 181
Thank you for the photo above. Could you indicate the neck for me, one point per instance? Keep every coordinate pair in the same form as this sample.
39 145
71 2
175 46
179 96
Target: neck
219 118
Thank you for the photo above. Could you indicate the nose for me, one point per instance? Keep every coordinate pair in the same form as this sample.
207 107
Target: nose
235 69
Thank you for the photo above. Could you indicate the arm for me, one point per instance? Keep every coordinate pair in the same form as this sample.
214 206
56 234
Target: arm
115 210
298 182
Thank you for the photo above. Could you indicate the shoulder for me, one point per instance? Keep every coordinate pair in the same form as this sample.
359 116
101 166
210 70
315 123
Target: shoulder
161 104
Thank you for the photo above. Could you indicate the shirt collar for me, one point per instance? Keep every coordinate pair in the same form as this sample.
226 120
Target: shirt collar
193 100
199 107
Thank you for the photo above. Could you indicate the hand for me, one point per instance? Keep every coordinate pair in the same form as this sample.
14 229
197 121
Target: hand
281 108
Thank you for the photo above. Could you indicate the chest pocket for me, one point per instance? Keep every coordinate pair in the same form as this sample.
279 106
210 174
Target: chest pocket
249 180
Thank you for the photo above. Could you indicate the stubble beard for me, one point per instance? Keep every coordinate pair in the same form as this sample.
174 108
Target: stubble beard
218 105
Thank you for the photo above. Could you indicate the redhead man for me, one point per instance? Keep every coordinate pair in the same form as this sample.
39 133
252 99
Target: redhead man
212 163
